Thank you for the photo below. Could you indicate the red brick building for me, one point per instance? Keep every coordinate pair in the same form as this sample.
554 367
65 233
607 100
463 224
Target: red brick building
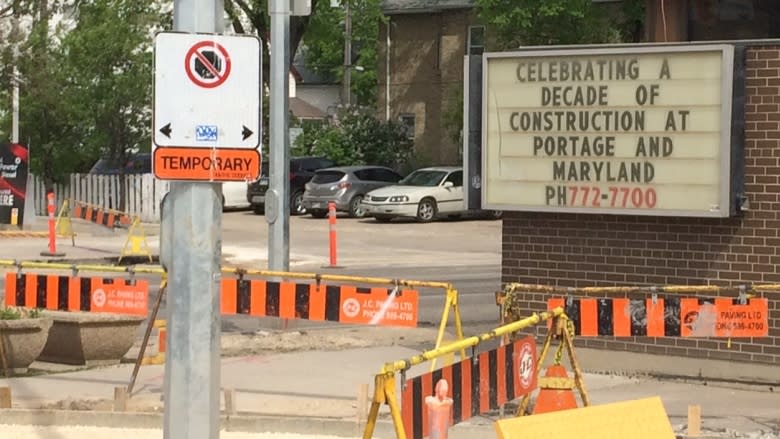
576 250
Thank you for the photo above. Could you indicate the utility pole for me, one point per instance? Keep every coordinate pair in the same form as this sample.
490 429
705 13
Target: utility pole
192 365
347 82
277 200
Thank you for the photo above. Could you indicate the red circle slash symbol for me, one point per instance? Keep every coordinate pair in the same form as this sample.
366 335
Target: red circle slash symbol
207 64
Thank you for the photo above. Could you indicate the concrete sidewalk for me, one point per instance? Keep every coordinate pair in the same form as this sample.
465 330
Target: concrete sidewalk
325 384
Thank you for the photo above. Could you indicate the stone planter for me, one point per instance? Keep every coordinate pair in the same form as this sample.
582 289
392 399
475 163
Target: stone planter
89 339
23 341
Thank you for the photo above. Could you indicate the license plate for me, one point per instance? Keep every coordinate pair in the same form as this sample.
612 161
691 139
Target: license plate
258 199
316 205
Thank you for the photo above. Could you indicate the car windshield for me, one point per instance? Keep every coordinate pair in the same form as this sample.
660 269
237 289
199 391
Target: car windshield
423 178
324 177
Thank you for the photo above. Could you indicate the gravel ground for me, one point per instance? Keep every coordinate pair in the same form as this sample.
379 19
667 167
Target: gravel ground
28 432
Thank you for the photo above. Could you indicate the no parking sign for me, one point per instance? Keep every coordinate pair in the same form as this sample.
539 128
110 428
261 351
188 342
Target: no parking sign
207 107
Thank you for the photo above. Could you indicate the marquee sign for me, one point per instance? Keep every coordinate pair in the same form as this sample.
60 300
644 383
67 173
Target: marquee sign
637 130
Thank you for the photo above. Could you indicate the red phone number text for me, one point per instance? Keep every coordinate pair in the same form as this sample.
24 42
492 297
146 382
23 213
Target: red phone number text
591 196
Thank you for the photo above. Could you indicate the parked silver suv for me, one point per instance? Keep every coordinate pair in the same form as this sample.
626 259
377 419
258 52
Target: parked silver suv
346 186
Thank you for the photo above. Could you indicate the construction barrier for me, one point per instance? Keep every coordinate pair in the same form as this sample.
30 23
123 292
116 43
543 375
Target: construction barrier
479 384
101 216
661 316
319 302
652 311
136 244
73 293
315 300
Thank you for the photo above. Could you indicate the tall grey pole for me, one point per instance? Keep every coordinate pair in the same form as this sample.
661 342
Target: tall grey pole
192 363
16 78
277 203
347 82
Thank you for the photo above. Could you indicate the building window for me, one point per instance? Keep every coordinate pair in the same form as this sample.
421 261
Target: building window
407 120
476 40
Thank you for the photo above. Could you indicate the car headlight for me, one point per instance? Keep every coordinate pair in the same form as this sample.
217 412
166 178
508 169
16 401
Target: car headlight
399 199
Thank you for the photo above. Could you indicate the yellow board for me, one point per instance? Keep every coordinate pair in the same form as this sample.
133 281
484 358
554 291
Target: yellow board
136 244
637 419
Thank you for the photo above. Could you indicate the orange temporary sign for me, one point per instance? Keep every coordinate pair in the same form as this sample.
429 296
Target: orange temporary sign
120 297
206 164
377 307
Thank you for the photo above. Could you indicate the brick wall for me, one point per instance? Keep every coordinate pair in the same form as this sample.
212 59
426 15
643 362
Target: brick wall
606 250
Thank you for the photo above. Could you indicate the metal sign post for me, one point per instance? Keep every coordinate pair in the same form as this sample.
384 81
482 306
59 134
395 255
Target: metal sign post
277 201
277 198
192 366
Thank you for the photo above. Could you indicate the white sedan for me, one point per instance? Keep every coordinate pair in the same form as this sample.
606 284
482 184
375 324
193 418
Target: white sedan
234 195
425 194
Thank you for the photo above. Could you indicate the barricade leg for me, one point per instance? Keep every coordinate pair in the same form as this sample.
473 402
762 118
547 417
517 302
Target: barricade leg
147 334
384 393
451 302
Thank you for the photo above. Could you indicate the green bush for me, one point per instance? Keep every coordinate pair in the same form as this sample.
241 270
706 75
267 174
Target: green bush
356 137
10 313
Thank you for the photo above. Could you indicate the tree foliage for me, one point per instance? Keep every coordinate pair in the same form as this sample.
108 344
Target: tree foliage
325 38
107 64
516 23
358 138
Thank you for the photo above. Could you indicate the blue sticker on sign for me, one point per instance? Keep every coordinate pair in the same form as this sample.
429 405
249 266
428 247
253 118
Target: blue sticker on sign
206 133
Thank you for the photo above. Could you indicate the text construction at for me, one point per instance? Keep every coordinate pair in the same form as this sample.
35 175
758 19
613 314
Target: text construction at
632 131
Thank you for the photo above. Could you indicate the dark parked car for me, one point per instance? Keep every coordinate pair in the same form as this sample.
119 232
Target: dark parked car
301 172
346 186
136 164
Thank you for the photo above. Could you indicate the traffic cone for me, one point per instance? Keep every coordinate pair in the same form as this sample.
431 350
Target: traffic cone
556 391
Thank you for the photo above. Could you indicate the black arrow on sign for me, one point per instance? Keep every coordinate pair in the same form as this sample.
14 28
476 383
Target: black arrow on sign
246 132
166 130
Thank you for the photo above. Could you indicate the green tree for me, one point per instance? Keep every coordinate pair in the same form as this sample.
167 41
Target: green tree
44 123
357 138
324 44
517 23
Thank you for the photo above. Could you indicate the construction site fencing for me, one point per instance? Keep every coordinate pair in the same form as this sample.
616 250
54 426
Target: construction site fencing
261 293
480 382
714 311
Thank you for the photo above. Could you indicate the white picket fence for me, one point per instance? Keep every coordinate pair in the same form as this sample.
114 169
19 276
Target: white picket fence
144 193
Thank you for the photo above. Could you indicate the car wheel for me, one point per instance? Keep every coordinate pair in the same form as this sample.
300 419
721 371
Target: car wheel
383 218
296 204
258 209
319 213
426 210
355 209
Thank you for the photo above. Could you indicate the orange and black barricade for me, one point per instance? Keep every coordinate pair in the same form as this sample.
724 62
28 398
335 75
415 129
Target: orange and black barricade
666 316
319 302
70 293
103 217
477 385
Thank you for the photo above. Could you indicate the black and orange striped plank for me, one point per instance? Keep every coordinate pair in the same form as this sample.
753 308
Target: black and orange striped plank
67 293
476 385
319 302
665 317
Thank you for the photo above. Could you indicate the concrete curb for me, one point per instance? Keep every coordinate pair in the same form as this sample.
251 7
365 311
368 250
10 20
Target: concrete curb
239 423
